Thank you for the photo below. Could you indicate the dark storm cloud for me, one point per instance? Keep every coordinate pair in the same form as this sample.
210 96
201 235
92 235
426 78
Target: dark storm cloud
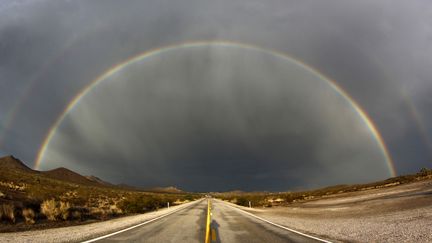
373 49
231 117
63 46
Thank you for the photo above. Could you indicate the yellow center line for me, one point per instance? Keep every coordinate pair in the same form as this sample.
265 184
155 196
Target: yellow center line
213 235
207 237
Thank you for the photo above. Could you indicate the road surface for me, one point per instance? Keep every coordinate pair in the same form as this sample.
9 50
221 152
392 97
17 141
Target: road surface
228 224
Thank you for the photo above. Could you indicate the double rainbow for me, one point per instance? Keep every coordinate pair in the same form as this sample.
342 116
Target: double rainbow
356 107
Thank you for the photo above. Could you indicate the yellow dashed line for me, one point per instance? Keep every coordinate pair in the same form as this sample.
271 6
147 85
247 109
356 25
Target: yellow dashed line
207 237
213 235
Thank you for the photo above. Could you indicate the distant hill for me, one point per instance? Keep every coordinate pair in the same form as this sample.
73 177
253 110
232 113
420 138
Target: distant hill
169 189
72 198
98 180
12 163
71 176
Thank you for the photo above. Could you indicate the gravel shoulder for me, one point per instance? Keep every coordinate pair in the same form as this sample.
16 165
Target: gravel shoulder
397 214
88 231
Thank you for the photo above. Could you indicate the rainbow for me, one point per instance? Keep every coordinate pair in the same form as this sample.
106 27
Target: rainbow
417 117
12 114
356 107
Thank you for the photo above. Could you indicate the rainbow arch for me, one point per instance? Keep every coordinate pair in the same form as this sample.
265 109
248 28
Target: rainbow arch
356 107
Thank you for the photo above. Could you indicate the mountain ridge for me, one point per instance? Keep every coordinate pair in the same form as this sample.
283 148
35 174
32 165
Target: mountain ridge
11 162
64 174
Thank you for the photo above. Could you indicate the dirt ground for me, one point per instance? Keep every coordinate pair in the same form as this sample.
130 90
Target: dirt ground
396 214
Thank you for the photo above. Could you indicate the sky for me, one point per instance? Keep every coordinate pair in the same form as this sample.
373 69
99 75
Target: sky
269 100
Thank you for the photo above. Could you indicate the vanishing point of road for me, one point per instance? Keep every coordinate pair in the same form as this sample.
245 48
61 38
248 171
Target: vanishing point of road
210 221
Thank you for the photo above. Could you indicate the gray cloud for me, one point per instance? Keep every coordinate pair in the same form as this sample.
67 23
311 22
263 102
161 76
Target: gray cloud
241 118
373 49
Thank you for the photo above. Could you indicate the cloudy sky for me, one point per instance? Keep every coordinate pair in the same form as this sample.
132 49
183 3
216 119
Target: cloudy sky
212 116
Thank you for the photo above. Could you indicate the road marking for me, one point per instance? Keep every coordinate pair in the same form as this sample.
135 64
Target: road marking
277 225
138 225
213 235
207 236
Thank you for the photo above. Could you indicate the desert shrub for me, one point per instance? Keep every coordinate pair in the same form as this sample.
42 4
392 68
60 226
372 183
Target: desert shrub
100 213
141 204
28 215
242 201
54 210
188 197
49 209
115 210
424 172
63 208
7 212
103 207
104 212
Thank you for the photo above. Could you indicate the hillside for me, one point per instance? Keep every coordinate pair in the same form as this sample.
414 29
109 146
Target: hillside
98 180
32 199
71 176
12 163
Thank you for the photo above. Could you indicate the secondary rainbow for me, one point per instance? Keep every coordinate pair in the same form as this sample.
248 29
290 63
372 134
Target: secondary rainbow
356 107
417 117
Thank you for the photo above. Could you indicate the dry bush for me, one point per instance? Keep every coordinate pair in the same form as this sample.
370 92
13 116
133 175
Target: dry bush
99 213
105 211
28 215
64 210
115 210
54 210
49 209
7 212
69 195
103 207
13 186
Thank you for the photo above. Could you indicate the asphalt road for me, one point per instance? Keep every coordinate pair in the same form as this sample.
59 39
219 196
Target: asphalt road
189 225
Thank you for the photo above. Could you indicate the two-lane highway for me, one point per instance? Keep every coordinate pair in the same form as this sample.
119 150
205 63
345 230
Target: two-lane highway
186 225
232 225
228 224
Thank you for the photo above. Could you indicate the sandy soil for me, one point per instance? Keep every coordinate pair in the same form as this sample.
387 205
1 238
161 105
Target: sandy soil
397 214
84 232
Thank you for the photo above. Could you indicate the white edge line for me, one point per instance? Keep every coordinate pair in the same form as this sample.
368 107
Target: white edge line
138 225
278 225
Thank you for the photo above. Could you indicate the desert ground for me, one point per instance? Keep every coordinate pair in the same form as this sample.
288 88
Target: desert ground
395 214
